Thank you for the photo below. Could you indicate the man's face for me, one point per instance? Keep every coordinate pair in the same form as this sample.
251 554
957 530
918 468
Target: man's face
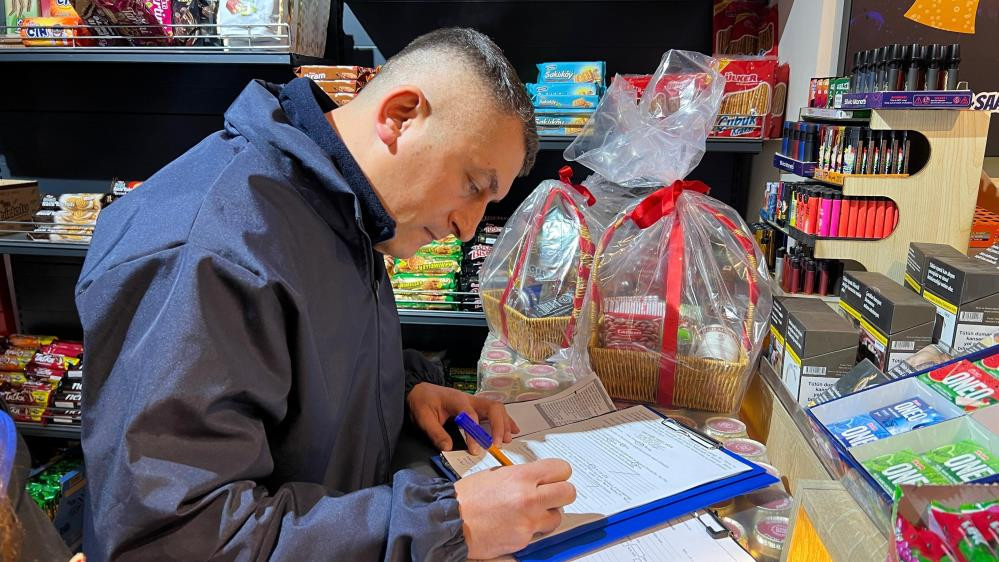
440 179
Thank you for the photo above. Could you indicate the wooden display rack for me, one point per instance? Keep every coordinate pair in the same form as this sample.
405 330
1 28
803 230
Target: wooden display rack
936 203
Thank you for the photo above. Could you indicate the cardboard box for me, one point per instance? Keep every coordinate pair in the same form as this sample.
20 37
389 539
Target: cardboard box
19 201
820 347
752 105
894 322
778 325
965 292
919 255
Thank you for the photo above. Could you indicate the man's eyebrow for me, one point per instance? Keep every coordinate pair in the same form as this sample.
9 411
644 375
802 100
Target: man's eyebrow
493 182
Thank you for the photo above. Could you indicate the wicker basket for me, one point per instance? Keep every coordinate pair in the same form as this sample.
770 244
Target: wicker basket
698 383
537 339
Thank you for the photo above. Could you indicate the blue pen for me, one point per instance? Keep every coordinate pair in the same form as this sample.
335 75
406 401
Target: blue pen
476 432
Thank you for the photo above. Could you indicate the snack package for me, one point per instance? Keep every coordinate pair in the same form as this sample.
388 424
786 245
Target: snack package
449 246
742 27
906 416
241 20
67 348
564 89
963 536
755 96
16 359
195 14
964 384
533 281
80 202
428 265
415 282
29 342
572 72
63 31
963 462
902 467
145 22
858 430
565 102
31 393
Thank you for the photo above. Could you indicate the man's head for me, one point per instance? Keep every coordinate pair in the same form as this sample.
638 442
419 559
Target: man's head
442 131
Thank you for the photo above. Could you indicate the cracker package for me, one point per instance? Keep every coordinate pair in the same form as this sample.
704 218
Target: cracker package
755 94
745 27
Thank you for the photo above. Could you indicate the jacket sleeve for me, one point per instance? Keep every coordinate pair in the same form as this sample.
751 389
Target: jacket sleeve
421 369
187 376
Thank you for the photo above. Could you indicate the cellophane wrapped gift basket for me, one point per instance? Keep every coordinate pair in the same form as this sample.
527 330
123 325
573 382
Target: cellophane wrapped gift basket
533 282
679 298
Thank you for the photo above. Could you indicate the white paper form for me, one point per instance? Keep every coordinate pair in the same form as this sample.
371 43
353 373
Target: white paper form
680 540
620 460
584 400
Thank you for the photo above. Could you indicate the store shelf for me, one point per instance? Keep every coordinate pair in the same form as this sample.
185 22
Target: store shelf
838 115
775 225
51 430
442 318
743 146
778 292
143 55
19 245
792 166
837 179
812 240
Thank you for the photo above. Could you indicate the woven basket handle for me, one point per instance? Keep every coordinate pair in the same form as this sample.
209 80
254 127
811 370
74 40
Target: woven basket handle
586 249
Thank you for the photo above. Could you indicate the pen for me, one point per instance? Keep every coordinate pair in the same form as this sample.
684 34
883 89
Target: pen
476 432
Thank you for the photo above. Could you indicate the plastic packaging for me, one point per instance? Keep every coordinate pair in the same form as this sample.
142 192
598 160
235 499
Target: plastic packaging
679 302
533 282
659 139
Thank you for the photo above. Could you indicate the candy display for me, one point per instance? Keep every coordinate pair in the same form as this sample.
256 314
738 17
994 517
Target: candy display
41 378
906 416
964 461
534 279
72 216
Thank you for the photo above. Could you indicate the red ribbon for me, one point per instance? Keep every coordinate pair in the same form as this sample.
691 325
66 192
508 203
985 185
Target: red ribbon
565 174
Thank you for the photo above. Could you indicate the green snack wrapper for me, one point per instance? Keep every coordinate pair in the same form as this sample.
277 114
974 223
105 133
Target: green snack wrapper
963 462
416 282
902 467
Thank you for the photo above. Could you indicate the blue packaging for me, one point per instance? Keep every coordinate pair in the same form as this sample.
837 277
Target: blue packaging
556 120
858 430
564 89
907 415
577 71
565 102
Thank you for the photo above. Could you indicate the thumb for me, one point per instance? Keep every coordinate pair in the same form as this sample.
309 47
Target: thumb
431 425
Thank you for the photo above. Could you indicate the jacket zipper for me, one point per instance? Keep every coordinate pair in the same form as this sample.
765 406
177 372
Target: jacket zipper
375 287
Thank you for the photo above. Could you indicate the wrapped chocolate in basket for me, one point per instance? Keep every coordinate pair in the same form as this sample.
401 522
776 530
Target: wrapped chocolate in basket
679 297
533 281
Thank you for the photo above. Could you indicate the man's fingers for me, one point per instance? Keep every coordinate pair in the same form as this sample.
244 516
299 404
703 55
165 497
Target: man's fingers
557 494
550 521
499 421
546 471
431 425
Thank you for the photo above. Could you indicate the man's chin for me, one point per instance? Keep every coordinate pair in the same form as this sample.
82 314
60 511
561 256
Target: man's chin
397 249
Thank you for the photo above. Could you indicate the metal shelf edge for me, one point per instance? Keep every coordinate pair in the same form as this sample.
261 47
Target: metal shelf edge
51 430
441 317
31 55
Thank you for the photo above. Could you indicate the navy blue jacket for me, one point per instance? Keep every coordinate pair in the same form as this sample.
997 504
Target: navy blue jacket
244 385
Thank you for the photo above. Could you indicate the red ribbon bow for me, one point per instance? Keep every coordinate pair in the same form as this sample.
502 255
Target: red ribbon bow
662 202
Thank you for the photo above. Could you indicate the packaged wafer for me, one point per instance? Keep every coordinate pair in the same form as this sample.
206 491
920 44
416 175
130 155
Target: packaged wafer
753 102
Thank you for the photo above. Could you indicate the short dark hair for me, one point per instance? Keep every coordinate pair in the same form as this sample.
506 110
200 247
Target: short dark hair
488 61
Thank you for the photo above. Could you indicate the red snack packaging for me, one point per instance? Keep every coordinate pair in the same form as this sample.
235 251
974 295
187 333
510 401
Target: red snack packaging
31 393
51 361
34 414
67 348
45 374
753 102
12 379
145 22
744 27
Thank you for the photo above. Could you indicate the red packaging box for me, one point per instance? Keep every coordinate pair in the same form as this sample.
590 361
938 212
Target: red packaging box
744 27
752 106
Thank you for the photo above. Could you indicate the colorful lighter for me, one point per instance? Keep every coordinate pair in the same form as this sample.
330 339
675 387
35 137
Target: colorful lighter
871 212
861 217
880 209
480 436
837 203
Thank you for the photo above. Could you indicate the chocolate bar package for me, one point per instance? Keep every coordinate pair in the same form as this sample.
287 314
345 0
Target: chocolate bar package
145 22
316 72
754 99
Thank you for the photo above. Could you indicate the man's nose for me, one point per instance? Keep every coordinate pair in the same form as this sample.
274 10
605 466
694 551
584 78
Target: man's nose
466 221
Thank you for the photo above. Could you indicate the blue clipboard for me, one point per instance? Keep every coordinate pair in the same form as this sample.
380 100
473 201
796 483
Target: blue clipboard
592 536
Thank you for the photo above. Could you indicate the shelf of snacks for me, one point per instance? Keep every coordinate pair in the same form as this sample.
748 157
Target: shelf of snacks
741 146
41 381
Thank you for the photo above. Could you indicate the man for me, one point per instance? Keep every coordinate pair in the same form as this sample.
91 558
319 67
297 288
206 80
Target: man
245 383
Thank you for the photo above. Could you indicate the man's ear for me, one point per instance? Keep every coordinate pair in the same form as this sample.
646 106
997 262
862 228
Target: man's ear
398 110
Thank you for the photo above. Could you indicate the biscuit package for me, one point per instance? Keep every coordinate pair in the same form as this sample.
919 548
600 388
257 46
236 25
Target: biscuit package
745 27
754 99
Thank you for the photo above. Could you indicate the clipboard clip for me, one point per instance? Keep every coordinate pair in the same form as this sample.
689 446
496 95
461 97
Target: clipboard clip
692 434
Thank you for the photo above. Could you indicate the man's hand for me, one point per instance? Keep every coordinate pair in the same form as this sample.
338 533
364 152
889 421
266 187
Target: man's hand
431 405
503 508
